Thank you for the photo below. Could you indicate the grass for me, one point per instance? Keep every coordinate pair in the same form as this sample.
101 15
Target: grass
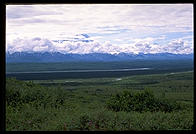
80 104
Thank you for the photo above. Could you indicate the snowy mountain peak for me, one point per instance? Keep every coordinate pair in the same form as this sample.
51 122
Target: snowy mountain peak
91 57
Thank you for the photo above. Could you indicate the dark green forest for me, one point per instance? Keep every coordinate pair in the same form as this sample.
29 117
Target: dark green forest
155 67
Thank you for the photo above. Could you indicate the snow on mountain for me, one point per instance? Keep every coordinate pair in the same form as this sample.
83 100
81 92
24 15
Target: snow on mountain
91 57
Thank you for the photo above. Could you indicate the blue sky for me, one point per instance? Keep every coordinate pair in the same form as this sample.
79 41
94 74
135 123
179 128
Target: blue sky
112 28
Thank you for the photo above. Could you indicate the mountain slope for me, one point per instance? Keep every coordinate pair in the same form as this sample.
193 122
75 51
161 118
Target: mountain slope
59 57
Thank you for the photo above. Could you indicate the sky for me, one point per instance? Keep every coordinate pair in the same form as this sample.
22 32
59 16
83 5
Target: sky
100 28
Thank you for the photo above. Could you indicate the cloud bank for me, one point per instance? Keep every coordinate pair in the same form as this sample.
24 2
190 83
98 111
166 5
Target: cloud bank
106 28
84 46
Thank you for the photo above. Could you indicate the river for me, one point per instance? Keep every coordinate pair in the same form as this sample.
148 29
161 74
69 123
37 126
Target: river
112 70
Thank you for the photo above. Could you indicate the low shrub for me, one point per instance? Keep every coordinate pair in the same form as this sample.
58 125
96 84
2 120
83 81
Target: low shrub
141 102
19 93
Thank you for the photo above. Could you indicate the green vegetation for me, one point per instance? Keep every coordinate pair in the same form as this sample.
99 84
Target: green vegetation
139 102
166 64
156 67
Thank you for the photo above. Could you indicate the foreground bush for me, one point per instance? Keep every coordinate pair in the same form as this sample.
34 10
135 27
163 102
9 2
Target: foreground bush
19 93
140 102
33 107
50 119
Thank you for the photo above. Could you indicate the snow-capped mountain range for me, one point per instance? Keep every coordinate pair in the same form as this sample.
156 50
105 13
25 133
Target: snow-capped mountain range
82 47
90 57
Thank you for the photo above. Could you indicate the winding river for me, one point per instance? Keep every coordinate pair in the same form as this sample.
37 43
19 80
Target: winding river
112 70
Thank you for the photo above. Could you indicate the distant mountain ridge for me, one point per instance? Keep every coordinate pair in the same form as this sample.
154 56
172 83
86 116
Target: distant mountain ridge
91 57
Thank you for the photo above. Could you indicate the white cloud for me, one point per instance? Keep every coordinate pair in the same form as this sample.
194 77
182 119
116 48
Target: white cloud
179 46
144 40
87 17
29 45
81 47
140 24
